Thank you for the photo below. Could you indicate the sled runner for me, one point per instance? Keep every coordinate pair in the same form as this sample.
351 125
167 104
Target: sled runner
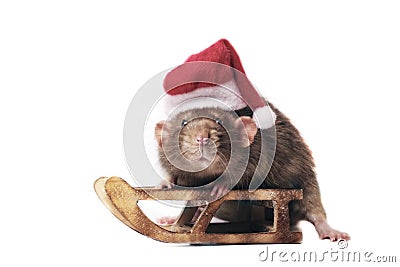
122 200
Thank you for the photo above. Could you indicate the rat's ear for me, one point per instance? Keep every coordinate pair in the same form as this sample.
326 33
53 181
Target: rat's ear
247 128
158 131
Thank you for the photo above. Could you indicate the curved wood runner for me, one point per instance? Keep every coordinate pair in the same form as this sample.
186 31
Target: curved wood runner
122 200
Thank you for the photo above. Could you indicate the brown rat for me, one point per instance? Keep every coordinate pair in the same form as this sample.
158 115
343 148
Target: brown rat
200 136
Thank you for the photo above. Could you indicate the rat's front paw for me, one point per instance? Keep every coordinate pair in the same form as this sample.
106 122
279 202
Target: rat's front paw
220 189
165 184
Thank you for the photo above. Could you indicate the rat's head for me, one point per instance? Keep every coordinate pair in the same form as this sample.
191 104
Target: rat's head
200 140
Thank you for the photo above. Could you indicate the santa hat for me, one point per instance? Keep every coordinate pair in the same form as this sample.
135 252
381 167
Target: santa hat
215 73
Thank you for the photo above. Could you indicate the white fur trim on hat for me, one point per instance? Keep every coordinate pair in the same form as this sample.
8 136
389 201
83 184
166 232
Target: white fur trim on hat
198 102
227 93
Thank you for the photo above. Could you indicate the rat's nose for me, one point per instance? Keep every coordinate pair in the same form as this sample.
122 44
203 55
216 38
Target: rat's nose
201 140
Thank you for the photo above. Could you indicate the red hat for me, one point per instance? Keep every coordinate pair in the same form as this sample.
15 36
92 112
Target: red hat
216 73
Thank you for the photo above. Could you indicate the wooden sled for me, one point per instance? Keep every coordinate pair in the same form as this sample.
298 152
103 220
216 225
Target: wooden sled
122 200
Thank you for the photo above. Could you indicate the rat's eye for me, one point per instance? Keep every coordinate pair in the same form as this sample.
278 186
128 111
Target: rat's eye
184 123
219 121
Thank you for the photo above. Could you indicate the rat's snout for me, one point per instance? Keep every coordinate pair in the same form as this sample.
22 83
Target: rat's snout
202 140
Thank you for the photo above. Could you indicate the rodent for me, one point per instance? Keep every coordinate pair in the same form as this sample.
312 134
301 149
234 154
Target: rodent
201 137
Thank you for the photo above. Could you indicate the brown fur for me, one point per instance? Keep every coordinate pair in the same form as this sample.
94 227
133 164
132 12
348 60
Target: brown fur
291 166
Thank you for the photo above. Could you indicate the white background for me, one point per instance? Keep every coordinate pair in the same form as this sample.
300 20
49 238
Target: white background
69 69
